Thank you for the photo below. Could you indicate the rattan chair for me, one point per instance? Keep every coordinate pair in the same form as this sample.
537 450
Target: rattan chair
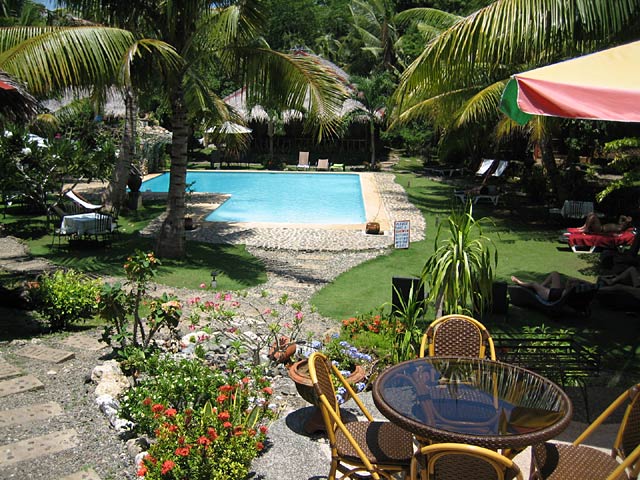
556 461
378 448
456 461
457 335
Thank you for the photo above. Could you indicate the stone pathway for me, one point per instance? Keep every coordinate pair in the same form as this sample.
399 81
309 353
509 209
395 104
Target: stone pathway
13 382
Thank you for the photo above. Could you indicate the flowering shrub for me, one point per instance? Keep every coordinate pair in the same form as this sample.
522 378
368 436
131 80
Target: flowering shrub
375 323
207 422
223 312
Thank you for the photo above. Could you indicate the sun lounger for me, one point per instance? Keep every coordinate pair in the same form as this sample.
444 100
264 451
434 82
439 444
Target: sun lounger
590 242
323 164
485 166
82 202
489 192
303 161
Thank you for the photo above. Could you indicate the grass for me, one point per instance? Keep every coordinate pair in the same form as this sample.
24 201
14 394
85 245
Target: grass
240 270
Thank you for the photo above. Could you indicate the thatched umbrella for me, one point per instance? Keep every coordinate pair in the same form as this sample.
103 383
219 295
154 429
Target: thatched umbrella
16 104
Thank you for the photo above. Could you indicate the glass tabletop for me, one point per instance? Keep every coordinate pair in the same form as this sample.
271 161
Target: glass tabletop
473 401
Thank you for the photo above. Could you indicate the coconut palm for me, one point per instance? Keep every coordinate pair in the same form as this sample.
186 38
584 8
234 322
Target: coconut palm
459 77
225 34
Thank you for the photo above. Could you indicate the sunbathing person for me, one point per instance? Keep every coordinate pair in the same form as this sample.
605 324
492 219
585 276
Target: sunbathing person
630 276
593 225
551 289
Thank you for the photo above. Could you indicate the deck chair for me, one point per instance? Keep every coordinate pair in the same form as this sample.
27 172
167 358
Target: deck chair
88 206
575 209
457 335
323 164
502 166
486 166
578 298
303 161
455 461
581 242
378 448
560 461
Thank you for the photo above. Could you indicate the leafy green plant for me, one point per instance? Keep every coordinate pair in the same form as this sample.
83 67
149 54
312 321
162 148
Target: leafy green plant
208 422
460 272
116 305
410 314
65 297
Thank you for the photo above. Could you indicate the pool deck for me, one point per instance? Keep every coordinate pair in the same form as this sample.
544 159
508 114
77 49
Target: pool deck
385 202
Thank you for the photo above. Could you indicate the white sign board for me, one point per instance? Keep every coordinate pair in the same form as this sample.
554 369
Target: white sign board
401 233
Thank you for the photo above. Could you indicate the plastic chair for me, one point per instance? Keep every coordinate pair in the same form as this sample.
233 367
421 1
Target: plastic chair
378 448
303 160
323 164
457 335
455 461
556 461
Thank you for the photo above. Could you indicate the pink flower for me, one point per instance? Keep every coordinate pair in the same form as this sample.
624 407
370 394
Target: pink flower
299 315
203 285
192 327
267 311
227 297
218 296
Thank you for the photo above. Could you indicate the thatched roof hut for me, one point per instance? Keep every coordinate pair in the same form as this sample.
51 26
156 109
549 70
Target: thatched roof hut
16 103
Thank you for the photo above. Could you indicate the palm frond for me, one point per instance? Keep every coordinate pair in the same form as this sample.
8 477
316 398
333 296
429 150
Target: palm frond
430 16
481 107
79 56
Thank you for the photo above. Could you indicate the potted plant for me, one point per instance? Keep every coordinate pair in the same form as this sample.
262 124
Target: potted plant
460 272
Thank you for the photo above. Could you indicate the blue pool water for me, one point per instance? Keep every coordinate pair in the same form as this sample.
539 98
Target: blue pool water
317 198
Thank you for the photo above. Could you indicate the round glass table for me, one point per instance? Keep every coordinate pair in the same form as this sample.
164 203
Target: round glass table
468 400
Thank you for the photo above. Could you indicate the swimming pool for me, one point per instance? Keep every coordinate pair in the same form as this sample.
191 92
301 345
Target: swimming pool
313 198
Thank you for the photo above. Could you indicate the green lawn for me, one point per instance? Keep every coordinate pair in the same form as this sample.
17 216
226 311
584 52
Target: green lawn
240 269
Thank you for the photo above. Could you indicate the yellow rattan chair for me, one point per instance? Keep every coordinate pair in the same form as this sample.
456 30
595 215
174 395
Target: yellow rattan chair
456 461
457 335
378 448
556 461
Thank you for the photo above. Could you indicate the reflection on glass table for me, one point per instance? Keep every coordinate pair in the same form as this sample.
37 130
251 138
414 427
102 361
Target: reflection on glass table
469 400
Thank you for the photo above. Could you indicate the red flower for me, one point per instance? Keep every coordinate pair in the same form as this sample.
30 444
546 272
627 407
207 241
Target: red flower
224 416
226 388
172 428
252 432
263 429
142 471
222 398
181 441
183 451
259 446
204 441
150 459
167 466
227 424
268 390
157 408
170 412
212 433
147 401
237 430
246 380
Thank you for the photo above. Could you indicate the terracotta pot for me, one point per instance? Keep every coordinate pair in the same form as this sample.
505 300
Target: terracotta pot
372 228
282 350
299 373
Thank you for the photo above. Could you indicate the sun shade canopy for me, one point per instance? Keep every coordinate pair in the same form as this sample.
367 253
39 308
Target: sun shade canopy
600 86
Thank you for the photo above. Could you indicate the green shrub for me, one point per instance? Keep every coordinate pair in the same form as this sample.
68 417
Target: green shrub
65 298
208 423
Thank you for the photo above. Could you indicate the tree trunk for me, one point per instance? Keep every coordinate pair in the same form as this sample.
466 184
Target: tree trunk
549 163
117 188
372 132
171 242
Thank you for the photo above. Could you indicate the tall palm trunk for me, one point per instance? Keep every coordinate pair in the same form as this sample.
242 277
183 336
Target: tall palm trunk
116 191
171 242
372 134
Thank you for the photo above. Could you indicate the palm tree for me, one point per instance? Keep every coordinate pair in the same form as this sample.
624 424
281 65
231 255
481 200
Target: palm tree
459 77
207 34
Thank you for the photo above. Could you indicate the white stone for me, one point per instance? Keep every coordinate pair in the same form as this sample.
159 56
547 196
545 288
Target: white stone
110 379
